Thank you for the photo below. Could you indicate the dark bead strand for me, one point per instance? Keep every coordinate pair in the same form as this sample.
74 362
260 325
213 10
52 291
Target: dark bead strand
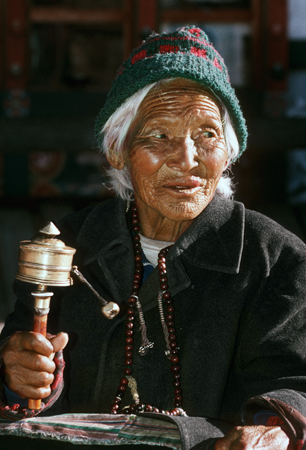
177 410
130 318
175 368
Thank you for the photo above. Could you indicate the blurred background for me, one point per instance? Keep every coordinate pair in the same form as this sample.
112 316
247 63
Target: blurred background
57 61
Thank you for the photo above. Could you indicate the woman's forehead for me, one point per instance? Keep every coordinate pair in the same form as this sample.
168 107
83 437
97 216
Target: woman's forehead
182 85
176 97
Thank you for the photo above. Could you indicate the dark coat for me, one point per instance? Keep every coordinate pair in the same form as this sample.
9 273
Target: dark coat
238 285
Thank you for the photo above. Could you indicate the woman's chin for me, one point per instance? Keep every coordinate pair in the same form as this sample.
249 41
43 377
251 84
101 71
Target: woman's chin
180 210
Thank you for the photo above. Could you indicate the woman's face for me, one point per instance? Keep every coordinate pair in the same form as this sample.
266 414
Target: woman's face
176 152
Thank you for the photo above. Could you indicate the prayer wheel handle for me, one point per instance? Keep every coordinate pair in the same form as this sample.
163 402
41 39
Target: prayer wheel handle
41 310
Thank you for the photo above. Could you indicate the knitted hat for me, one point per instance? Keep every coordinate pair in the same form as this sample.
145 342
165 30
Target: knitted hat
183 53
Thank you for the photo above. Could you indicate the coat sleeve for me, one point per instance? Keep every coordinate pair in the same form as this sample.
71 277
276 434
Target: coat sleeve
271 362
291 420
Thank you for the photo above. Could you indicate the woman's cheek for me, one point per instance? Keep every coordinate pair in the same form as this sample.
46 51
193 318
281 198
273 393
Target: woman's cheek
146 161
215 156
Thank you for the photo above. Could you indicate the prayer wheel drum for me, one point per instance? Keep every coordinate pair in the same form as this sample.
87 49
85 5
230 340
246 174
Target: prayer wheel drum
45 260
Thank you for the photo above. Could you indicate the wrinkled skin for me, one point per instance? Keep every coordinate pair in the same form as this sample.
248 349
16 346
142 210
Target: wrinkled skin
176 153
254 437
29 366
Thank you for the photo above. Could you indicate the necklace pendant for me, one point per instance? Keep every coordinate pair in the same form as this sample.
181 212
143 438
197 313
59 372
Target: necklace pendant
143 349
132 384
168 354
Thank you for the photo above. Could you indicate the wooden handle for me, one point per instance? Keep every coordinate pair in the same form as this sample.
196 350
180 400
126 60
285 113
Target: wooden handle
41 308
40 326
34 404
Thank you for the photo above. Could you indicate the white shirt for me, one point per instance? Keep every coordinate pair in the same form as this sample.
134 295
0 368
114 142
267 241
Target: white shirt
152 247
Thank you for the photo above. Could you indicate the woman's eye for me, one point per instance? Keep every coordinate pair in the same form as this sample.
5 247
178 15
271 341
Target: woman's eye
200 134
207 134
160 136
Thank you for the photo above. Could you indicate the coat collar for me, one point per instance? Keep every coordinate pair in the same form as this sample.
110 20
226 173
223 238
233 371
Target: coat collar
214 241
104 230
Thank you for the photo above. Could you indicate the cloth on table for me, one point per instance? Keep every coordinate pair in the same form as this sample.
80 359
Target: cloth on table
110 430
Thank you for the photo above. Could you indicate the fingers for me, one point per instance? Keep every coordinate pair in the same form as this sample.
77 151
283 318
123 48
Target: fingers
228 440
29 360
35 342
29 340
28 363
59 342
28 383
254 437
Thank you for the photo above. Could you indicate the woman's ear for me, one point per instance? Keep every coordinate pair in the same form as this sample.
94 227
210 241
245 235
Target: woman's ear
116 160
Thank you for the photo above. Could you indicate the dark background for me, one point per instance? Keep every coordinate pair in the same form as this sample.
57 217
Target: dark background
58 58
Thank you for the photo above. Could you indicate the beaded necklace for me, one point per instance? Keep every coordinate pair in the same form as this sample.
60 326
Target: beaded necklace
169 329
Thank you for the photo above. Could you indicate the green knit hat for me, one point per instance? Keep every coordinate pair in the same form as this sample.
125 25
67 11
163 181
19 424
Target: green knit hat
183 53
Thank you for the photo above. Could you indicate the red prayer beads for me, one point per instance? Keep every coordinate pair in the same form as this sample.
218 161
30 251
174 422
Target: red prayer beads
129 333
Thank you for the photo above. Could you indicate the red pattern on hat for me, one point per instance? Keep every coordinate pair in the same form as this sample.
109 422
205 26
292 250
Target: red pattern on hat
217 64
139 56
195 31
199 52
181 38
168 48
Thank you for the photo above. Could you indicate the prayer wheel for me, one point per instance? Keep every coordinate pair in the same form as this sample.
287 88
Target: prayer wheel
45 261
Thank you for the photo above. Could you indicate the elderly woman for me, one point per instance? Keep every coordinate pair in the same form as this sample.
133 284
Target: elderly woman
212 311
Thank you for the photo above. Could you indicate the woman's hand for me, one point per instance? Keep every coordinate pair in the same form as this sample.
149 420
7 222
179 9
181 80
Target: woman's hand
254 437
29 366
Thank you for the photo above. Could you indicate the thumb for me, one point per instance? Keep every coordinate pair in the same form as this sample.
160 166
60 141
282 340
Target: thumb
59 341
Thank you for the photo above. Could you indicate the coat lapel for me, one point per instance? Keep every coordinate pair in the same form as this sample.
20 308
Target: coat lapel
214 241
107 246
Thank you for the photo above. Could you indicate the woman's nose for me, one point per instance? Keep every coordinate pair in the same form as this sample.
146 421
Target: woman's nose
183 155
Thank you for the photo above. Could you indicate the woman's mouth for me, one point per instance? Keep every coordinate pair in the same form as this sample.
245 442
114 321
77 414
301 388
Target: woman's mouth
185 186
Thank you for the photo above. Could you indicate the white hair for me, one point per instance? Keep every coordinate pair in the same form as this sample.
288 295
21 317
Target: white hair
115 132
